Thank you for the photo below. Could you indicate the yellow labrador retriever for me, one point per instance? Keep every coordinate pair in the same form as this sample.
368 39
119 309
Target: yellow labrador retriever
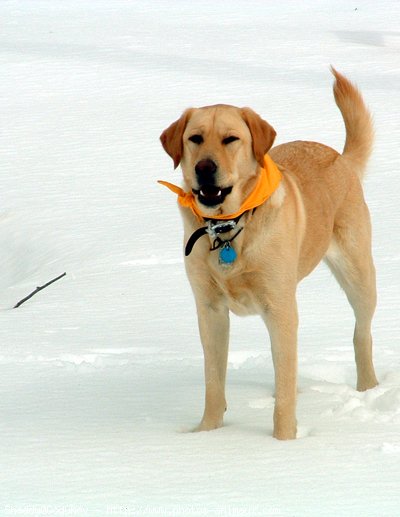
257 220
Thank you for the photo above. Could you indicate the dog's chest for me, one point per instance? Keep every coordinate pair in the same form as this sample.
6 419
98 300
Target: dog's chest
238 292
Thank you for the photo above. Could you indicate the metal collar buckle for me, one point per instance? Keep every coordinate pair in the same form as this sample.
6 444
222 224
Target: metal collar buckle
215 228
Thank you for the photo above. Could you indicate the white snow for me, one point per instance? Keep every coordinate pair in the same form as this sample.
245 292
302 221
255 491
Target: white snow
102 373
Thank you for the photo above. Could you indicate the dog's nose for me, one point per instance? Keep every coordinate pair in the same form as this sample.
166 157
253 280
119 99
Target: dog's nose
205 169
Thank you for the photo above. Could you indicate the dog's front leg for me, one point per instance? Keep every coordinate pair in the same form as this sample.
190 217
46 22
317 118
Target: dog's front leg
214 334
282 323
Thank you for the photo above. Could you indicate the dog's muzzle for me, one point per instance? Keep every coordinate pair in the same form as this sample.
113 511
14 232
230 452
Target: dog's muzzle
209 193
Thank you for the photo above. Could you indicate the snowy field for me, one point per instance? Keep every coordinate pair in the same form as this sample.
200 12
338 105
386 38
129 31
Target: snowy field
102 372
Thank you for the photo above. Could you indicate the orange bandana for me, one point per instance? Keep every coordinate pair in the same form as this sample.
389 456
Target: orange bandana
268 182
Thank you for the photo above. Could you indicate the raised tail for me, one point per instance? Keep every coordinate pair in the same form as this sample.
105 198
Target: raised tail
358 122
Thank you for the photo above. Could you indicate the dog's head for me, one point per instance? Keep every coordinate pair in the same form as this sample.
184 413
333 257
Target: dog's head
219 149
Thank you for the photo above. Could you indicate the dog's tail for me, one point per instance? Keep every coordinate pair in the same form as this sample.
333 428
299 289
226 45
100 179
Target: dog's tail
358 122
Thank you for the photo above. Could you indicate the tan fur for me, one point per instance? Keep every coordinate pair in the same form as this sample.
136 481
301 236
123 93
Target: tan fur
318 212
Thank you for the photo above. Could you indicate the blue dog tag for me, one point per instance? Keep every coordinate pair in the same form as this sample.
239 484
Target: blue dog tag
227 254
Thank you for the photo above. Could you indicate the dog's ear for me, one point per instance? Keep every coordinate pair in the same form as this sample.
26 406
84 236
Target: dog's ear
171 138
262 133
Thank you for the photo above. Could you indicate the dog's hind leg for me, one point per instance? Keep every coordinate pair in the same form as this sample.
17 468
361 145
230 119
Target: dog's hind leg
349 258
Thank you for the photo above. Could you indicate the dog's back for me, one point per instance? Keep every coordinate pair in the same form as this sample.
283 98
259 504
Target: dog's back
330 182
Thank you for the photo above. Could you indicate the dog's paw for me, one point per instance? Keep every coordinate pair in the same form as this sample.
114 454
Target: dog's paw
285 434
284 428
208 425
367 384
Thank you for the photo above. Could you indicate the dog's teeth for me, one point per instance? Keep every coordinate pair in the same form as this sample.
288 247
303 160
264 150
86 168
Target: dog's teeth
216 194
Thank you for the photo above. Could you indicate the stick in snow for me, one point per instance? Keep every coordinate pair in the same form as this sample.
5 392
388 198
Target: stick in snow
37 290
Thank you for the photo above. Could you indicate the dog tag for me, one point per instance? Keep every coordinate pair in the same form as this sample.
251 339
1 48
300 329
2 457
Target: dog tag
227 254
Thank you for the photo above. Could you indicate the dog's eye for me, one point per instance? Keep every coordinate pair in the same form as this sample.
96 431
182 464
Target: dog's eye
196 139
229 139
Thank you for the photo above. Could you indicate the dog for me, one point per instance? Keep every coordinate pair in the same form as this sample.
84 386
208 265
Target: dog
257 220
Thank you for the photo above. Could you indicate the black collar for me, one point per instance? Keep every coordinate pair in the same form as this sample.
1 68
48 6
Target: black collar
214 228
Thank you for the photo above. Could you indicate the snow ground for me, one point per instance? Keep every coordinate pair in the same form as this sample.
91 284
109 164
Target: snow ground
101 373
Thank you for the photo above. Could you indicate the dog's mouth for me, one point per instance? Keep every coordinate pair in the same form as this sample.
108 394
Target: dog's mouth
211 195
